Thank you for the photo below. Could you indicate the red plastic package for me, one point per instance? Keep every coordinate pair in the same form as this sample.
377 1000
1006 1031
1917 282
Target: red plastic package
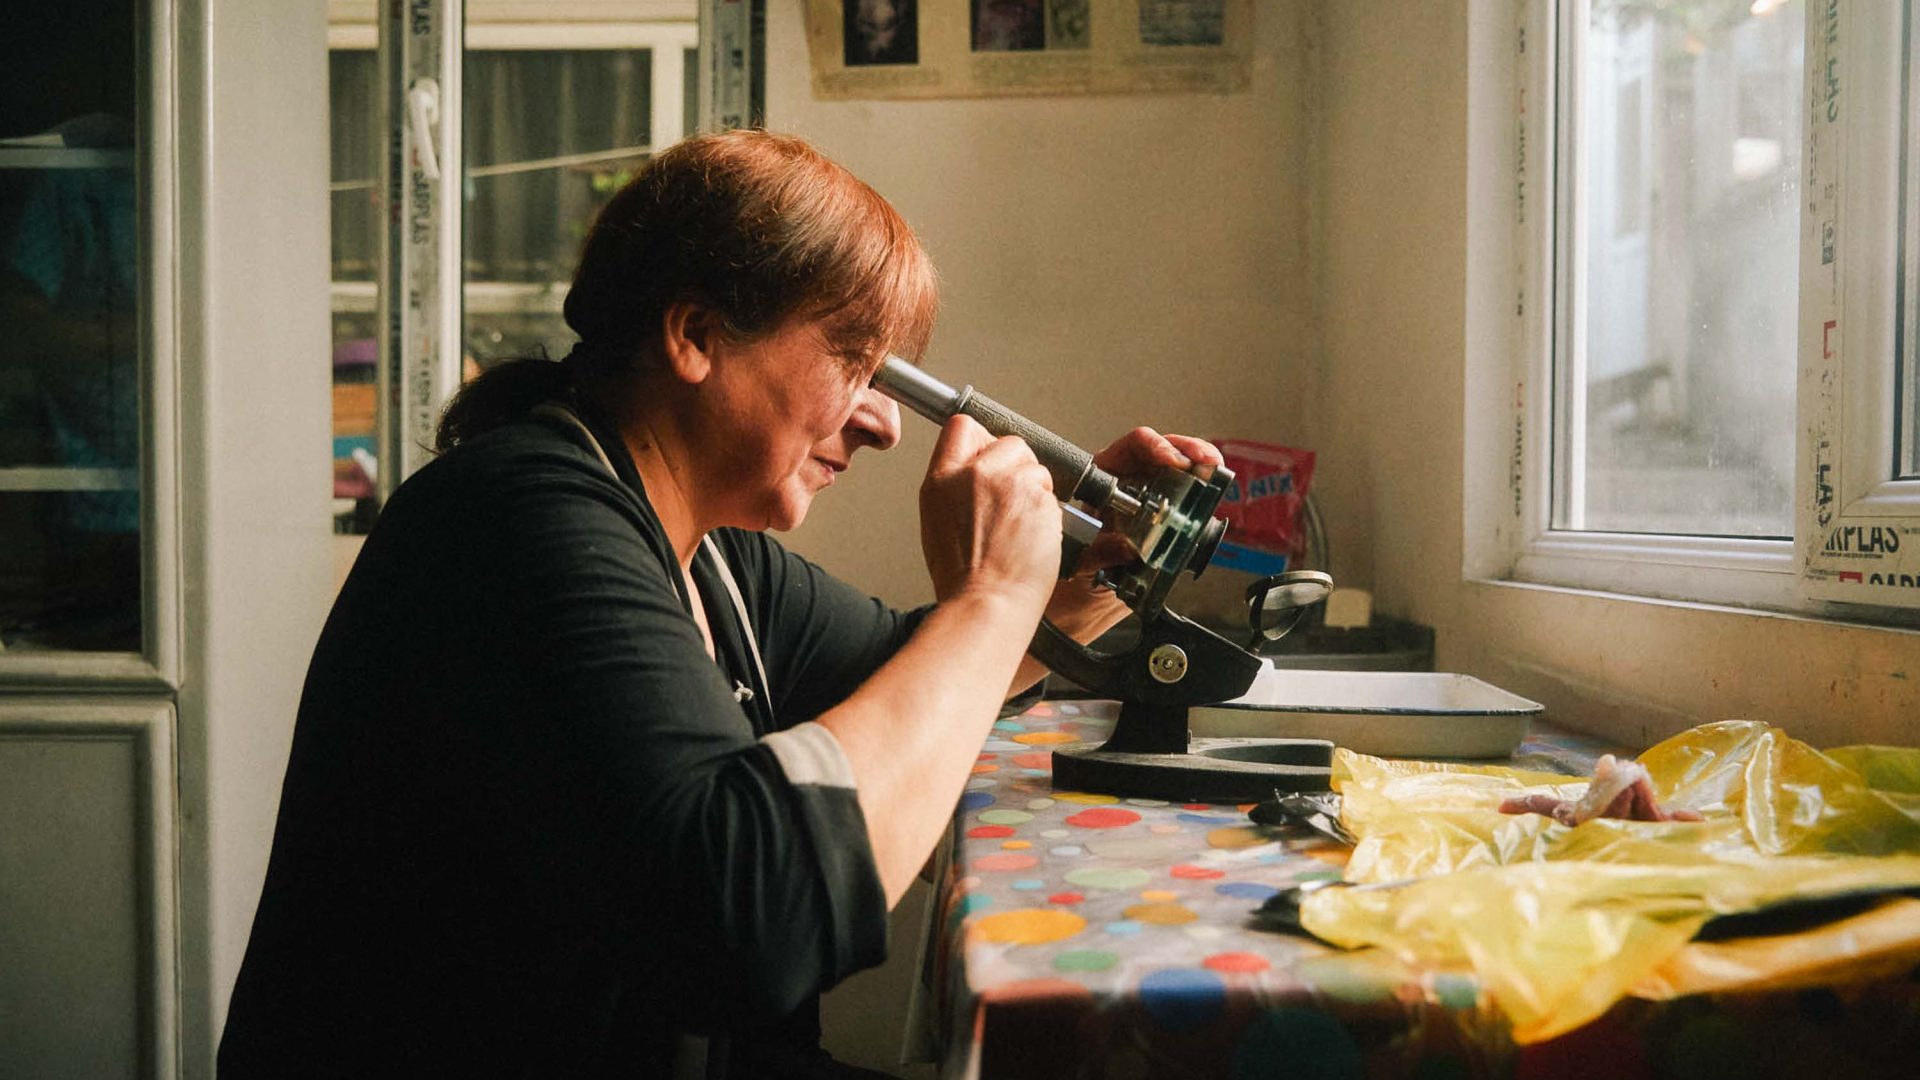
1262 507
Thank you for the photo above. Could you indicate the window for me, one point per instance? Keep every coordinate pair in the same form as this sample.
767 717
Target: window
1673 375
555 115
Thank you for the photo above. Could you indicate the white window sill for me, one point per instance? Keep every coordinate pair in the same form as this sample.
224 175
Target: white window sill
1861 617
1717 570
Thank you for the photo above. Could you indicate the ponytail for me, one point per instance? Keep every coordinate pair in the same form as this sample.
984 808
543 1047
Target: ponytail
500 395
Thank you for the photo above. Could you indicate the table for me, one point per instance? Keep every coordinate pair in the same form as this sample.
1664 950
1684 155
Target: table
1077 935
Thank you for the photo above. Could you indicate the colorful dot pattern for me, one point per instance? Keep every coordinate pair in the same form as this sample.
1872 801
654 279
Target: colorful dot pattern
1085 934
1140 902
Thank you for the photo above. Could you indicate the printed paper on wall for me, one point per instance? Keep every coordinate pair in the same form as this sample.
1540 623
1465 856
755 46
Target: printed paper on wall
892 49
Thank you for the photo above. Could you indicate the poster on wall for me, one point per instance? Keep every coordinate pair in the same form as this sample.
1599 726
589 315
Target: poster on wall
896 49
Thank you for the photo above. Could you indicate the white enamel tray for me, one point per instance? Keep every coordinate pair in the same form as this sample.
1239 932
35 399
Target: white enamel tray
1385 713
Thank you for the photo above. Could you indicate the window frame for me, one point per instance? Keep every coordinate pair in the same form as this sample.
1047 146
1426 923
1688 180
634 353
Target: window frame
1771 574
419 366
668 40
1852 512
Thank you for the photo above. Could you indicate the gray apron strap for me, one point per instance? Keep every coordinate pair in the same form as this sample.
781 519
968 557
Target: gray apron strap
557 411
553 410
740 609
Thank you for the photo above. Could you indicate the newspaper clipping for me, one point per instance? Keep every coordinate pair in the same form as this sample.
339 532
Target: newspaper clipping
867 49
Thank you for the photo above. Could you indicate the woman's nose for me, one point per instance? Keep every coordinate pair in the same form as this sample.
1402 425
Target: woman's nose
876 420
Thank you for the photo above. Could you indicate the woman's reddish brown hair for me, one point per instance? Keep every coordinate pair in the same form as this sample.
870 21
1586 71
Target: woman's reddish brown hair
759 228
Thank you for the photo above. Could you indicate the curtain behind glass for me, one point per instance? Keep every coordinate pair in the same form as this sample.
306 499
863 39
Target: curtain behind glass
353 92
523 106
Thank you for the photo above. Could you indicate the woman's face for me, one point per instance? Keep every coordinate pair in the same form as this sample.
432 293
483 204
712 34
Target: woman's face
787 414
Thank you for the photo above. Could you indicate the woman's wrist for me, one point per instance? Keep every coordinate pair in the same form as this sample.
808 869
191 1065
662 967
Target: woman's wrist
1084 611
999 601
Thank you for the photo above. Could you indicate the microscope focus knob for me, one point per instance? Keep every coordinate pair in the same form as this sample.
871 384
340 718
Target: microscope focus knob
1167 664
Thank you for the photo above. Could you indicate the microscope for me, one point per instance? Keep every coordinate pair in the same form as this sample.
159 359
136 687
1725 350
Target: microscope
1168 523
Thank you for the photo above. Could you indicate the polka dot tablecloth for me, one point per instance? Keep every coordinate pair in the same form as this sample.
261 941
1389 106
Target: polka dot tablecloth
1084 935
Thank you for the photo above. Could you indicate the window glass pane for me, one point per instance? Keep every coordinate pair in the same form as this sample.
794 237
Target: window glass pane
70 368
1907 371
356 145
690 91
550 136
1907 459
1679 395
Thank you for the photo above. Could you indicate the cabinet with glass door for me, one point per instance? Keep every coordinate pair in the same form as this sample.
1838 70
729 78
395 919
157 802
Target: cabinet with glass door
71 361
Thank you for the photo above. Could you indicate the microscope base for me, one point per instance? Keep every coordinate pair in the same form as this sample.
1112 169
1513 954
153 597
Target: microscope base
1212 770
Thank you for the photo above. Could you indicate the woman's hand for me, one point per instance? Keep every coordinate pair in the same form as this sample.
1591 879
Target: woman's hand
1143 449
1079 607
1137 455
990 529
989 520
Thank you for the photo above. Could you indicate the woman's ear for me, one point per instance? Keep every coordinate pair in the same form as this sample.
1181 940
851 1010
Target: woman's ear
689 331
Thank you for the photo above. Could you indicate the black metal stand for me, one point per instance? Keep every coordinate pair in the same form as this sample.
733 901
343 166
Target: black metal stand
1150 753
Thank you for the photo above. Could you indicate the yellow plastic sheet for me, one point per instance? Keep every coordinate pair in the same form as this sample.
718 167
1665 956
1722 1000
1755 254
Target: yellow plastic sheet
1880 943
1558 923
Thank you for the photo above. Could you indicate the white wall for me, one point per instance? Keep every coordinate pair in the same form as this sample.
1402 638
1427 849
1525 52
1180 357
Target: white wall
1418 183
1105 262
1319 260
254 408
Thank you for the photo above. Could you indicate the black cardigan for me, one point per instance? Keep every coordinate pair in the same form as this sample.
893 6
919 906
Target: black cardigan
528 826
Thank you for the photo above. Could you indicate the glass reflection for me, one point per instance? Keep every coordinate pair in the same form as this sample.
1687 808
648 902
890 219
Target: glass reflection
70 369
1690 117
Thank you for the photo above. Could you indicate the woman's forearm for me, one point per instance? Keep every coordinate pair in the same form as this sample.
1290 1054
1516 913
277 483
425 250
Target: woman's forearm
913 730
1082 611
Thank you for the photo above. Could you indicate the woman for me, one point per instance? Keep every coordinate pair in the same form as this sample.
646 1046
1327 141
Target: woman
592 777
